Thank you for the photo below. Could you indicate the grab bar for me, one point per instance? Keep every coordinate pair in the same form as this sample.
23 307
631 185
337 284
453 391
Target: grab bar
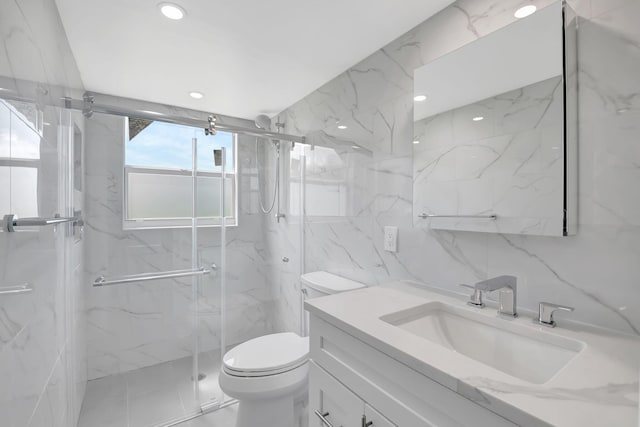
103 281
10 221
19 289
492 217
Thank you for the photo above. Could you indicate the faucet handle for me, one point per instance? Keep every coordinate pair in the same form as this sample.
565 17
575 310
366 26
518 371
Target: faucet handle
545 313
475 299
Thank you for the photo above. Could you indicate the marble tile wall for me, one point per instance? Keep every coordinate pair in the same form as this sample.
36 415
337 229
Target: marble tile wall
595 271
136 325
283 238
42 341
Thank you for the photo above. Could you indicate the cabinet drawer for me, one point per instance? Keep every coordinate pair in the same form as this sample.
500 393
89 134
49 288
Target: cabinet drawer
332 400
375 418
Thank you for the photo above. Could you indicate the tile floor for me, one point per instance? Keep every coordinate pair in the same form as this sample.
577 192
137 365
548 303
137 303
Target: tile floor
225 417
152 395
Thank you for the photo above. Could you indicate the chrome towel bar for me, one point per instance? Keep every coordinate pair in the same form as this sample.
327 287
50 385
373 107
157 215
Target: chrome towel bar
10 221
103 281
492 217
19 289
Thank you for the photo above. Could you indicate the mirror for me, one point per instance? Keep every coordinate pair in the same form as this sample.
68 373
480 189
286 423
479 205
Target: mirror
495 131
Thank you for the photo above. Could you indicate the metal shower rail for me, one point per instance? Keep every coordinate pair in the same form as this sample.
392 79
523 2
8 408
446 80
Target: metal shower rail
89 106
144 277
10 221
92 102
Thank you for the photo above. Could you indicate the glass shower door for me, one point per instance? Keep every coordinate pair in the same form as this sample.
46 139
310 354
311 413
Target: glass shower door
144 257
215 195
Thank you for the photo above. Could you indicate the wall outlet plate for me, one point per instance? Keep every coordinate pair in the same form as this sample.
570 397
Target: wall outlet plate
391 238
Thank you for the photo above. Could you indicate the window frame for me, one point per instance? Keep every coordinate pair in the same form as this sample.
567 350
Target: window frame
175 223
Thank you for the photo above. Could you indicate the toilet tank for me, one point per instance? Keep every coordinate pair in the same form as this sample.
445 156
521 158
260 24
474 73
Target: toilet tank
319 284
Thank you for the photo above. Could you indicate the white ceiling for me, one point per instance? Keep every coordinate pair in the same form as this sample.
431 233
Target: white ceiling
247 56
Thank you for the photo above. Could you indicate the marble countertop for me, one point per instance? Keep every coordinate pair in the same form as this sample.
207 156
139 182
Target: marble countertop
599 387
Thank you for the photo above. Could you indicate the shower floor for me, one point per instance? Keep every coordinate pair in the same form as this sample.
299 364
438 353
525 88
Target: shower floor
153 395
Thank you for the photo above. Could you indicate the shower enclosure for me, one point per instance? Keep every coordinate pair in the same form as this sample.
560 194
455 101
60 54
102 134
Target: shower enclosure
178 261
156 215
160 258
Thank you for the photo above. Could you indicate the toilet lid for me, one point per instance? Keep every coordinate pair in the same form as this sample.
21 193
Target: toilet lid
267 355
328 283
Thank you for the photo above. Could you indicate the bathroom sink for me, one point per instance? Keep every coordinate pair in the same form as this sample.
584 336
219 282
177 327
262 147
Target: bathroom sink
520 351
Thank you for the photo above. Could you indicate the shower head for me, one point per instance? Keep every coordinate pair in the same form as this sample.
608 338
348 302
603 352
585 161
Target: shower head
263 122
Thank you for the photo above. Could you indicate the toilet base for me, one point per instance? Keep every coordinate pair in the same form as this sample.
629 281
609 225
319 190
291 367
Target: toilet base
269 401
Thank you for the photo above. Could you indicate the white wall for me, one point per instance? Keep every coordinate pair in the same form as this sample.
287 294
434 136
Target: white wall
597 271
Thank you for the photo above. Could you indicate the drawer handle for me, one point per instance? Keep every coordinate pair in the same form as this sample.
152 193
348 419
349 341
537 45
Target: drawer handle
323 418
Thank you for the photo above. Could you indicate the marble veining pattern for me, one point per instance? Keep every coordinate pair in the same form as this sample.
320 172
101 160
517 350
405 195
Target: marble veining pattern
596 270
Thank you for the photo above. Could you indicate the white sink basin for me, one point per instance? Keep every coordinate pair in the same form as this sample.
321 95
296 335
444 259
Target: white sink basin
526 353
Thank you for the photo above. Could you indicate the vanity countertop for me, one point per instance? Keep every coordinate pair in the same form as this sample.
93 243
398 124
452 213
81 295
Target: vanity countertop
599 387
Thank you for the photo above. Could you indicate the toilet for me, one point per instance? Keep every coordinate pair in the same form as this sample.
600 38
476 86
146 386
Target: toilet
269 374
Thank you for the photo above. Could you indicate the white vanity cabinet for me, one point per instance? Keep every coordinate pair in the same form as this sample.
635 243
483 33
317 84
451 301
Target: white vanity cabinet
375 418
350 379
333 404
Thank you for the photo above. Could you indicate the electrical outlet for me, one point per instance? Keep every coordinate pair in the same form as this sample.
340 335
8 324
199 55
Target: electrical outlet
391 239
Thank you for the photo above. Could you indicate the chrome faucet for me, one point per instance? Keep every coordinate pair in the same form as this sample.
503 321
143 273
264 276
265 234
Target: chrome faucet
545 313
508 292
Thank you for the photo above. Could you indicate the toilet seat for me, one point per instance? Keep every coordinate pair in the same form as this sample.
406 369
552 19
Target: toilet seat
267 355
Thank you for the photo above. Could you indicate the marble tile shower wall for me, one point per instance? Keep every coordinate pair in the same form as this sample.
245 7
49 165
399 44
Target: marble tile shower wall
136 325
596 271
283 238
42 340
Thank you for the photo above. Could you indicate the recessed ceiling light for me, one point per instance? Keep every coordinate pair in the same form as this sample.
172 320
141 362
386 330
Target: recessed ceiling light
172 11
525 11
478 118
416 142
342 127
196 95
420 98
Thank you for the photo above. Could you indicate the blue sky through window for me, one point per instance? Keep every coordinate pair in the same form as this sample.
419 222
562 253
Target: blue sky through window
168 146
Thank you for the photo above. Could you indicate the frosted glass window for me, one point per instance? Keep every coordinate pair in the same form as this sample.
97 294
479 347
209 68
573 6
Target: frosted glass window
19 161
24 191
5 132
25 142
158 175
167 196
5 189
